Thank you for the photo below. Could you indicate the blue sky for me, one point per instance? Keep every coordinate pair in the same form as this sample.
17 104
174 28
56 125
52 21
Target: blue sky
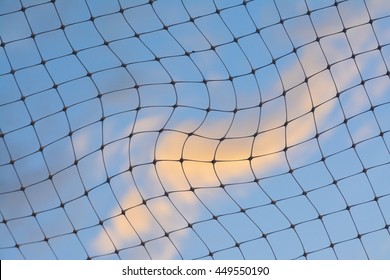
194 129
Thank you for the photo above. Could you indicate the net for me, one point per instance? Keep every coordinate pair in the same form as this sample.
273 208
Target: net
208 129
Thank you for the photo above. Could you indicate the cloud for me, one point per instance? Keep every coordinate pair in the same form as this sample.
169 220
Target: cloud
231 166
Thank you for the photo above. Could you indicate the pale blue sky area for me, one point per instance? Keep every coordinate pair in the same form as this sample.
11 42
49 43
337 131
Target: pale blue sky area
183 129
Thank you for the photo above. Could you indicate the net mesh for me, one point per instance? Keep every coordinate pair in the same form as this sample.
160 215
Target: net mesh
184 129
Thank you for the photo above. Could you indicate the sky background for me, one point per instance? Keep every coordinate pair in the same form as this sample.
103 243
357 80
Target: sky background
194 129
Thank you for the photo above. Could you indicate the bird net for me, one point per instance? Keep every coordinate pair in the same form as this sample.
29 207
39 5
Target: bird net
181 129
